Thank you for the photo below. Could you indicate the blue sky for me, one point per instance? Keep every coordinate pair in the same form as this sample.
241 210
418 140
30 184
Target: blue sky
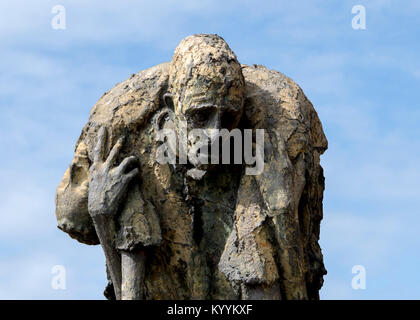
363 83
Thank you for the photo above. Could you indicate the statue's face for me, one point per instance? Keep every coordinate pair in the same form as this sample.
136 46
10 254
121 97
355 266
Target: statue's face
208 108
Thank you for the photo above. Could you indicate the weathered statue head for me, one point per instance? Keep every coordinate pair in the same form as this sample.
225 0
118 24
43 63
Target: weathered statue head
206 85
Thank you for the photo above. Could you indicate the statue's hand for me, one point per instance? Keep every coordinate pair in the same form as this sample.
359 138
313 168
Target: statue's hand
108 184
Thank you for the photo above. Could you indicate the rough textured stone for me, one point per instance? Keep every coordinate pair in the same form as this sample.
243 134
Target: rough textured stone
222 234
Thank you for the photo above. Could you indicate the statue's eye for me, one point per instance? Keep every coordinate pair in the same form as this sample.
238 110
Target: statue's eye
200 116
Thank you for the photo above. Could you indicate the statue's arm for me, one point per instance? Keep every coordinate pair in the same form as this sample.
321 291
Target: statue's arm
280 192
107 188
291 183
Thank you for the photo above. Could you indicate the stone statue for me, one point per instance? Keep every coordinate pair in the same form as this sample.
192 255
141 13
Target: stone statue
195 230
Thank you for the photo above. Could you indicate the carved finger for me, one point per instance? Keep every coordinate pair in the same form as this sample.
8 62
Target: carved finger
98 152
129 176
125 163
114 153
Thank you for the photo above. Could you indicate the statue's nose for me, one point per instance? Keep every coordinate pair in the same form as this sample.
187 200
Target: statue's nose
214 124
214 119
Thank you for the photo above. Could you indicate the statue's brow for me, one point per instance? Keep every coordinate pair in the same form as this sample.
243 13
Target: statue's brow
204 106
